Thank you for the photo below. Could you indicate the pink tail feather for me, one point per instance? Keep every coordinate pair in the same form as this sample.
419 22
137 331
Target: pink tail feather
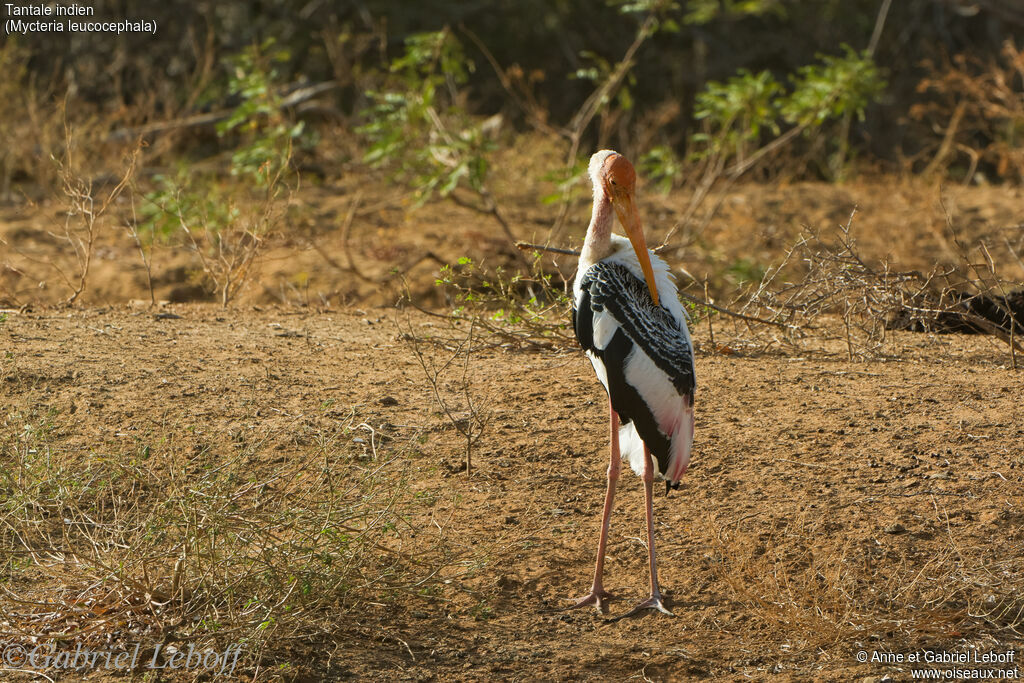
682 442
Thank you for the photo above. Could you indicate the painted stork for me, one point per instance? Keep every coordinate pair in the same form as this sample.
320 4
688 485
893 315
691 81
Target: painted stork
628 319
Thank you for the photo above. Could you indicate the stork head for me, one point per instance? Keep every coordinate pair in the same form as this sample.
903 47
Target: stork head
614 180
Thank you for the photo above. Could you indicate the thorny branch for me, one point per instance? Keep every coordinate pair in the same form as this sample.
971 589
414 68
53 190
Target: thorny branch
81 223
471 427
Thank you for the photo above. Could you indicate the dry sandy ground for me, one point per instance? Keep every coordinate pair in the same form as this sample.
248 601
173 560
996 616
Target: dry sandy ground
831 508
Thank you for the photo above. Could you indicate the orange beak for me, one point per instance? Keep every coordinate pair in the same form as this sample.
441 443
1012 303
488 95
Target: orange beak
625 209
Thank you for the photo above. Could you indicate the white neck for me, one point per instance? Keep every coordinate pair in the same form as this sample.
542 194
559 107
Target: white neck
598 243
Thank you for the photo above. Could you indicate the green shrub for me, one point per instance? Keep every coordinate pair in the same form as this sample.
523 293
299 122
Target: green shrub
419 127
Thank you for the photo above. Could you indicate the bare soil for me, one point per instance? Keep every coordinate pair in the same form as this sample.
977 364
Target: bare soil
831 507
819 490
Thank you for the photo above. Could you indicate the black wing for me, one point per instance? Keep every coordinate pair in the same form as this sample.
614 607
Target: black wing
583 322
613 288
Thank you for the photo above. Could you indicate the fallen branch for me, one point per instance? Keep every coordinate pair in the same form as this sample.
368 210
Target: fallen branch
297 96
526 246
726 311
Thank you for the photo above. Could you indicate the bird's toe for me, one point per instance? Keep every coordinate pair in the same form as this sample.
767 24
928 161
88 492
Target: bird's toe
597 597
655 602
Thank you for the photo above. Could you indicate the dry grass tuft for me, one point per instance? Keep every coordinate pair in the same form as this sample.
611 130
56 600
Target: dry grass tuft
178 541
813 589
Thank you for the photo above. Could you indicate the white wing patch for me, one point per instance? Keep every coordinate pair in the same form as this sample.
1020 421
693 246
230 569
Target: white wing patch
656 389
605 327
599 369
631 447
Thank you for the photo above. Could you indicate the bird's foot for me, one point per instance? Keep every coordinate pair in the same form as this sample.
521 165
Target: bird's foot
598 597
653 602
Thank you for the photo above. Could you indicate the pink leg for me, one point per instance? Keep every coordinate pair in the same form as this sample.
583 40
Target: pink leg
598 595
655 601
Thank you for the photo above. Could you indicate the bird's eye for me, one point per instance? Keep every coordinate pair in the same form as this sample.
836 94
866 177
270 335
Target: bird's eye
614 183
